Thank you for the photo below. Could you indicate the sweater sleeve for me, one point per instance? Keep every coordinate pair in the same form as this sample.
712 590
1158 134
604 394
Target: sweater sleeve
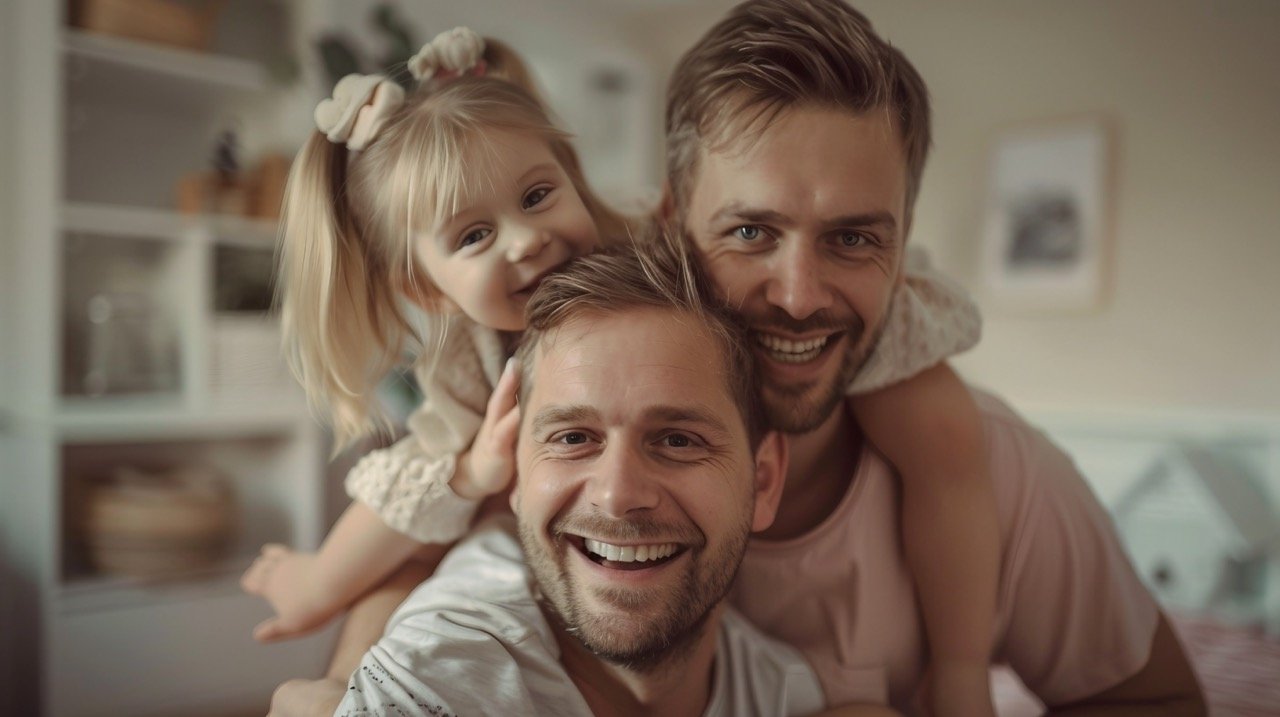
931 318
407 484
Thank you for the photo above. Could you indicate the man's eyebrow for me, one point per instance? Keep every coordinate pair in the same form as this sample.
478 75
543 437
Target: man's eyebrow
557 415
554 415
686 414
865 219
736 210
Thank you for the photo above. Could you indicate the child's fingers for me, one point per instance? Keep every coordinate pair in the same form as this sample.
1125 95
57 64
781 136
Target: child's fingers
272 550
268 630
504 394
255 577
506 430
274 629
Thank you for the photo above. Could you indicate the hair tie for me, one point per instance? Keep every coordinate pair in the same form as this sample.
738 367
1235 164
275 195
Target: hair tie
451 53
360 105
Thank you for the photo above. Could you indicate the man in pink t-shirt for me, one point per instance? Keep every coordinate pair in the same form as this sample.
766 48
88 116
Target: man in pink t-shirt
796 142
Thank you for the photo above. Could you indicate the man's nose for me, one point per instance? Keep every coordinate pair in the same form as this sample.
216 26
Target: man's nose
798 285
526 243
621 483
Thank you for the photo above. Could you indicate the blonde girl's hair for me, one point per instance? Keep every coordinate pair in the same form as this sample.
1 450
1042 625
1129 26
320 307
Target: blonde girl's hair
347 263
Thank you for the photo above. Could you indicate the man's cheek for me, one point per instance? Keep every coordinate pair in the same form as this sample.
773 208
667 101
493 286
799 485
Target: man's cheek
731 273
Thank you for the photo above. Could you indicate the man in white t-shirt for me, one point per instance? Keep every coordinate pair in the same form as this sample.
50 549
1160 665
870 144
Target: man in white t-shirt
797 139
643 466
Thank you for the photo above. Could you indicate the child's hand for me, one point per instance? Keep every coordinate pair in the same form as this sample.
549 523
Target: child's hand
301 698
491 463
287 579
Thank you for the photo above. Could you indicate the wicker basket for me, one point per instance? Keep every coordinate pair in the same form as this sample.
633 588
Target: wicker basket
148 525
188 24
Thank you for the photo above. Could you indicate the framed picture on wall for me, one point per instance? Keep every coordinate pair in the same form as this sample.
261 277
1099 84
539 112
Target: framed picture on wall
1046 241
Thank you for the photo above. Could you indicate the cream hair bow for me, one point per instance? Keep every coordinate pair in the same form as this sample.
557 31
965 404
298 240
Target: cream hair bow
359 107
451 52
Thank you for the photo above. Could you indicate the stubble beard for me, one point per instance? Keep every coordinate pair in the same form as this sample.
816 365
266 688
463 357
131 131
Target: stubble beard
624 636
801 408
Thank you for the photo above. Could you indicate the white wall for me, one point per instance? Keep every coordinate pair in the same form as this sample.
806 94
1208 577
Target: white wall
7 260
8 611
566 42
1194 88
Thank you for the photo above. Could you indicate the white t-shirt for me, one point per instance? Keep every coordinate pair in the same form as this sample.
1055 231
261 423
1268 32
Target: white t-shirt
473 641
1072 617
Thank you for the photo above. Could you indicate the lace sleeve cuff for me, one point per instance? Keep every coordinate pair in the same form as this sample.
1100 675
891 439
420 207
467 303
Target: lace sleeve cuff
930 319
410 492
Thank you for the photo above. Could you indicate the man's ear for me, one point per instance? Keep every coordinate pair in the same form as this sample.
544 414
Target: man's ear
771 475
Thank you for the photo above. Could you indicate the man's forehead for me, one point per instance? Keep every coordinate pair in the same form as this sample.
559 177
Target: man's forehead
646 362
737 132
647 345
828 160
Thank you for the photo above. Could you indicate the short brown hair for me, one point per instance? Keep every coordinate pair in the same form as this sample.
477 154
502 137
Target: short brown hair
653 271
767 56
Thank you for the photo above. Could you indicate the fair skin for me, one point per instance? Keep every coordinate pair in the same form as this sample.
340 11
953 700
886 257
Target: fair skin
825 193
632 442
664 462
485 259
489 256
804 232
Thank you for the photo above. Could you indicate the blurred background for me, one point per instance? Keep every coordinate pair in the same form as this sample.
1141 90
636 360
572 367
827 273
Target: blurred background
151 440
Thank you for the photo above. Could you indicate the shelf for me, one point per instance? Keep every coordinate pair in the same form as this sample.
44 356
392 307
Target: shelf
104 592
109 220
153 419
114 220
130 72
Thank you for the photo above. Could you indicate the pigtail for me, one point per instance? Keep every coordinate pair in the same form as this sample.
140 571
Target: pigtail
343 326
503 63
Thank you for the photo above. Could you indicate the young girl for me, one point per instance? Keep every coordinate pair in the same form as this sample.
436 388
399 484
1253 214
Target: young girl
453 201
457 199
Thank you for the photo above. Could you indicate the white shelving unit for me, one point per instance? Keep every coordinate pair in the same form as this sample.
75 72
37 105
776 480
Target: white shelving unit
111 220
174 74
101 129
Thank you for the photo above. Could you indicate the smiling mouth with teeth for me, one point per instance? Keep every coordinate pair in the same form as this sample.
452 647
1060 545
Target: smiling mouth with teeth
627 557
788 351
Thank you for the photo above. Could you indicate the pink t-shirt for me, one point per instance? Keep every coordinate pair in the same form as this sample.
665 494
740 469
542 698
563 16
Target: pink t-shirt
1073 619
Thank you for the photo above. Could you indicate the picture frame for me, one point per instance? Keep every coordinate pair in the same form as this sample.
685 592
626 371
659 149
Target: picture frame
1046 234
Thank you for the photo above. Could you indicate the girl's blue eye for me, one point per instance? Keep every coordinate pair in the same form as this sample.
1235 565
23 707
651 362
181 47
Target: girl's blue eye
748 233
473 237
532 199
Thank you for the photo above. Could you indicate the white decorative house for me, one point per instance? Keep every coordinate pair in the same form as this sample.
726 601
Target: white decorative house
1201 532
